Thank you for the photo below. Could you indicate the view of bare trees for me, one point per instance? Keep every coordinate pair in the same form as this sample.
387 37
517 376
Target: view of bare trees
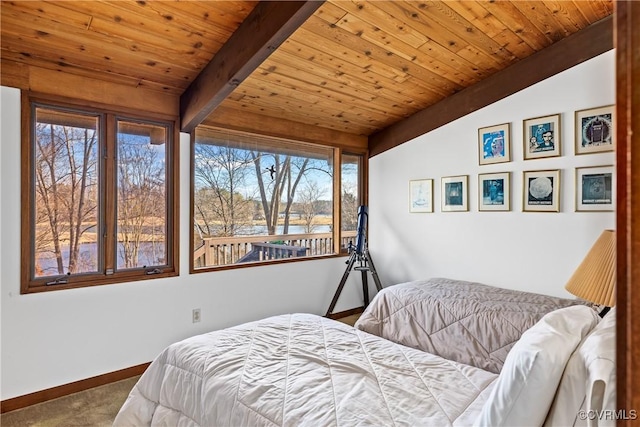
256 200
141 201
66 169
349 211
220 208
308 205
349 201
239 190
66 195
285 174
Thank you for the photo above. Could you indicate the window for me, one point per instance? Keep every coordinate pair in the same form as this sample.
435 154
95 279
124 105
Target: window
99 197
257 199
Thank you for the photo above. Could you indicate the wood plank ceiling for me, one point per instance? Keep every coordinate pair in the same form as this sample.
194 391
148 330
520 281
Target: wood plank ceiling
355 67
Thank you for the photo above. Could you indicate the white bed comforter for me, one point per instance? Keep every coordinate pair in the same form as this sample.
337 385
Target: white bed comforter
303 370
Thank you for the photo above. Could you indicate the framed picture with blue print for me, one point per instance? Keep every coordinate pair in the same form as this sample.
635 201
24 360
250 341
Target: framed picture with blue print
455 194
421 195
494 144
541 137
494 193
595 189
595 130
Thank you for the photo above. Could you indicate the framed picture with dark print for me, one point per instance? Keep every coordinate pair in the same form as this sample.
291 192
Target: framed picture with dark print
494 144
494 191
595 130
541 137
595 189
421 195
455 193
541 191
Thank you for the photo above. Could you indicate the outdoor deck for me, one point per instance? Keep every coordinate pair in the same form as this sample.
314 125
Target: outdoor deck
217 251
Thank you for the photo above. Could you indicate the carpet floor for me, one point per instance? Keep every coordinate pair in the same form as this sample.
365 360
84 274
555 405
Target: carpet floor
94 407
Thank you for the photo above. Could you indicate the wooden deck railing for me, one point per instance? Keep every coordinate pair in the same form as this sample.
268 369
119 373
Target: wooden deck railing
216 251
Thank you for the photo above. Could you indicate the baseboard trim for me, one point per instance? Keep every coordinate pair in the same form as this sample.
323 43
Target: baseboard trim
345 313
74 387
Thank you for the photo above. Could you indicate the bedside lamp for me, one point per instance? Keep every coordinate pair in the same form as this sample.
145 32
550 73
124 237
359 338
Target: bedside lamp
595 278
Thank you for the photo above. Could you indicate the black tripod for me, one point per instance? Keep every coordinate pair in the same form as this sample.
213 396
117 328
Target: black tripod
360 254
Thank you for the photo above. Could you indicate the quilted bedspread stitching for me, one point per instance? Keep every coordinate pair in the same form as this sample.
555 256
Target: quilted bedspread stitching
371 365
333 388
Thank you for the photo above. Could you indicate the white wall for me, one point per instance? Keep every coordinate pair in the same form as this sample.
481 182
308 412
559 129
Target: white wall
521 250
54 338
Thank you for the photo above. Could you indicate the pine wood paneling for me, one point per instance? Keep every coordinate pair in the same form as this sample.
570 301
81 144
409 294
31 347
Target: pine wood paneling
594 40
162 45
14 74
78 87
353 66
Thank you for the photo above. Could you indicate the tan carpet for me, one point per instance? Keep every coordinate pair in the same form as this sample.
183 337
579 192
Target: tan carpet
349 320
94 407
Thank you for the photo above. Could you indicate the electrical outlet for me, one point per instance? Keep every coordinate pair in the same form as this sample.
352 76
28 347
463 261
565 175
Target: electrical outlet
195 315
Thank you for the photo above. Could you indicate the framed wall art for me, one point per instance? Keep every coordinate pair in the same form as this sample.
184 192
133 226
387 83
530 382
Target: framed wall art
494 144
595 189
541 137
541 191
455 193
421 195
595 130
494 191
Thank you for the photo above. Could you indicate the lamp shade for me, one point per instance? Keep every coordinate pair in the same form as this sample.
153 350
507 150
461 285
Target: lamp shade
595 278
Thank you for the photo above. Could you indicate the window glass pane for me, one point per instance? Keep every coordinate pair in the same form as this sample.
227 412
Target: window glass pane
141 195
350 197
259 200
66 238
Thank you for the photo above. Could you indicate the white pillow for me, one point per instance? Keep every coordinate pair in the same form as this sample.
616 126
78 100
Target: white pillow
533 368
588 381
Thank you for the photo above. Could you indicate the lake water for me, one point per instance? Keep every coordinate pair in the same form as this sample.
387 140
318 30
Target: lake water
146 256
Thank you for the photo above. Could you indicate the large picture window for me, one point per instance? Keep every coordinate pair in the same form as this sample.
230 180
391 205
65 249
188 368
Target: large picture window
99 195
260 200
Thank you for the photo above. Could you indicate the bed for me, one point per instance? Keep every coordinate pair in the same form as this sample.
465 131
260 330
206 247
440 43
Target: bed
468 322
306 370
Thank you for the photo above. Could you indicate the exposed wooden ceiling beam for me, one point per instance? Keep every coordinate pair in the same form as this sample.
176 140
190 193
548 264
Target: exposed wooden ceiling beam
267 26
573 50
246 121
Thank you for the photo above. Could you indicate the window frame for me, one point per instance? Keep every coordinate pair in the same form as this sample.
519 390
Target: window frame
108 273
337 154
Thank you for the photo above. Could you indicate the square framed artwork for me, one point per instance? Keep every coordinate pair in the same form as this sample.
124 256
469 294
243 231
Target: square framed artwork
421 195
541 191
595 189
595 130
542 137
494 144
494 191
455 193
